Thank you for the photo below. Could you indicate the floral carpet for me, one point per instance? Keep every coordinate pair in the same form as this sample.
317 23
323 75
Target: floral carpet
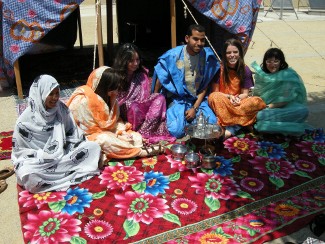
263 187
5 144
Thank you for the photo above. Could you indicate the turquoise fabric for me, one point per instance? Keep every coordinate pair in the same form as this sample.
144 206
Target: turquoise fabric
282 86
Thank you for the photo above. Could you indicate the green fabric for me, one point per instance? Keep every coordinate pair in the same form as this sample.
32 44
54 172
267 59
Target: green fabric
282 86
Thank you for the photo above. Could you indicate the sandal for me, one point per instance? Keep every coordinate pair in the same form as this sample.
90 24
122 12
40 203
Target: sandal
154 150
3 185
6 172
102 161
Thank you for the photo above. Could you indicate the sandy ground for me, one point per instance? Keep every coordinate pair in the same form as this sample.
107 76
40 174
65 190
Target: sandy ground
303 42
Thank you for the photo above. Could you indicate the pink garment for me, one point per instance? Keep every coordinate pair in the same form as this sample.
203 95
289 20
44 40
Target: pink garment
146 112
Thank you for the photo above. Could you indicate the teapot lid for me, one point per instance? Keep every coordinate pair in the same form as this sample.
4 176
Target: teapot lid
201 115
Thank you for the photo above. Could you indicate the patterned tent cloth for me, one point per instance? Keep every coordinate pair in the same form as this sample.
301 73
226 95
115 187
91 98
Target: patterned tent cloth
238 17
24 23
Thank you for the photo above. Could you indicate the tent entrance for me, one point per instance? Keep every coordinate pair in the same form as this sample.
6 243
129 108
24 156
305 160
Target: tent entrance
143 22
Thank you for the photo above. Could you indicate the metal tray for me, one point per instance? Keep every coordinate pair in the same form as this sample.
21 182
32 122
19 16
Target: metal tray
208 131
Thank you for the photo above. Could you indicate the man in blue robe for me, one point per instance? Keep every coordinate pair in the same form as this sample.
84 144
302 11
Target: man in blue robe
183 75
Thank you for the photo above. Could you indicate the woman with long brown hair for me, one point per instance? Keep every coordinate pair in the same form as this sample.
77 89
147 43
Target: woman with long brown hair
230 98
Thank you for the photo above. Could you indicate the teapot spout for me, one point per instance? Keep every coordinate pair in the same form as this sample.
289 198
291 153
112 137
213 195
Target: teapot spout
207 119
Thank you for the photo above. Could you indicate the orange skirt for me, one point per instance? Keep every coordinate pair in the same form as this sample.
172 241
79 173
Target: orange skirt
228 114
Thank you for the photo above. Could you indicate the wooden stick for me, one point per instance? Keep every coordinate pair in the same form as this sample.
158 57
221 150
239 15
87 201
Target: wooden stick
100 35
173 22
109 16
18 79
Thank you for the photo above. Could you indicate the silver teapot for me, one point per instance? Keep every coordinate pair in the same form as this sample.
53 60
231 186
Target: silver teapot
201 120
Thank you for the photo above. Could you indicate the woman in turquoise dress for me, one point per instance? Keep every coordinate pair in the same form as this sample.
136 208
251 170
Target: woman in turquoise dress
283 90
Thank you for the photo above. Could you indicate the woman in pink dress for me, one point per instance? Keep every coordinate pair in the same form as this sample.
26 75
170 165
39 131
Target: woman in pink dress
146 112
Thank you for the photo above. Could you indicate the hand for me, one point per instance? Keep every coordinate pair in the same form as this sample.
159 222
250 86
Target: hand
128 126
235 100
190 114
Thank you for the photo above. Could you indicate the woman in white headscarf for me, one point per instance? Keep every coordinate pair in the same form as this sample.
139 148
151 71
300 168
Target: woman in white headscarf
49 150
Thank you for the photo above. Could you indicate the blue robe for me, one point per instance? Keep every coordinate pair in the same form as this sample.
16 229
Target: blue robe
170 72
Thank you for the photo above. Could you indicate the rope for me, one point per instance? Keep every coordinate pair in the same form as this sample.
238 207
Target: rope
95 42
322 57
189 11
272 42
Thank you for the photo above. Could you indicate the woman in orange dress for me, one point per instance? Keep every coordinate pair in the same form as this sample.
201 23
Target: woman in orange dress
230 98
96 111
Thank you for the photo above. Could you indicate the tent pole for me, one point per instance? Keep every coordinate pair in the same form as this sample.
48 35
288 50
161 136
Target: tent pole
173 22
99 34
18 79
109 14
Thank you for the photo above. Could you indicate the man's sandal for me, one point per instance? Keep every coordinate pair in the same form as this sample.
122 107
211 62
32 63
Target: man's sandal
6 172
3 185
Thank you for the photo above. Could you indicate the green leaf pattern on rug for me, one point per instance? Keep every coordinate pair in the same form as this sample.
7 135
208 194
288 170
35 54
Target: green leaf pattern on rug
302 174
250 231
278 182
99 195
174 177
129 162
241 135
131 228
213 204
112 163
172 218
285 144
236 159
262 152
139 187
220 231
57 206
208 171
243 194
78 240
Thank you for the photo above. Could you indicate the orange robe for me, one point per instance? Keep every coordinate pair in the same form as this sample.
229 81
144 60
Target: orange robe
244 114
102 124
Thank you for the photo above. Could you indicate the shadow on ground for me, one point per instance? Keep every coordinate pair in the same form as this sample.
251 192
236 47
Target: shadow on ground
316 106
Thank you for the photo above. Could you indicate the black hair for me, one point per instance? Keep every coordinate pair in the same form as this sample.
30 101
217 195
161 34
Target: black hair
109 81
277 54
198 28
122 58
